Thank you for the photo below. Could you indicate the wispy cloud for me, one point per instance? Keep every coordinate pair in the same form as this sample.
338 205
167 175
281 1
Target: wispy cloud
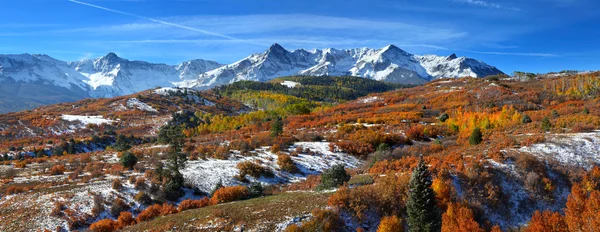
28 25
288 42
515 53
487 4
159 21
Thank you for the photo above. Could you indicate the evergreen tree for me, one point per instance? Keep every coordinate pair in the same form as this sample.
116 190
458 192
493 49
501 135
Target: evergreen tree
546 125
423 214
122 143
71 149
128 160
586 110
526 119
175 162
555 114
40 153
334 177
476 137
58 151
277 127
444 117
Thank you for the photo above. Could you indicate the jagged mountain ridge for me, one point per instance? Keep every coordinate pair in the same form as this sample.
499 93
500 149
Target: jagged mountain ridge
390 64
111 76
29 81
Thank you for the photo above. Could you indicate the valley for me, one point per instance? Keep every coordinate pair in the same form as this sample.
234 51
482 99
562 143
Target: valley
300 151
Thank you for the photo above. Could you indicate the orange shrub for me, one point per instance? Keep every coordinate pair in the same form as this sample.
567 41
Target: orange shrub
125 219
547 222
167 209
459 218
311 183
322 220
104 225
228 194
416 132
583 209
286 163
15 190
193 204
57 170
250 168
390 224
533 139
21 164
149 213
388 195
117 185
275 148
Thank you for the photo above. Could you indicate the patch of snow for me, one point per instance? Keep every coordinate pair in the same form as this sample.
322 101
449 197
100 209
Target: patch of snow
205 174
290 84
370 99
135 103
86 119
577 149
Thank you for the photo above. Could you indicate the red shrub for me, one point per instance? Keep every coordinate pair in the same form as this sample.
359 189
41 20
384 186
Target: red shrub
149 213
125 219
229 194
167 209
104 225
57 170
193 204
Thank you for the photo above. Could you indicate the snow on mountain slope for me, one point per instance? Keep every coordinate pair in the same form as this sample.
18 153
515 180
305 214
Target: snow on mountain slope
191 69
453 66
39 68
111 75
390 64
29 81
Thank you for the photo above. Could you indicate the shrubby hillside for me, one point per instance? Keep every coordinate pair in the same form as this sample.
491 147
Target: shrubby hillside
308 154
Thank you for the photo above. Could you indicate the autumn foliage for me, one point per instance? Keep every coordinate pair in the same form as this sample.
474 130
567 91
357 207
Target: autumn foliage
459 218
228 194
322 220
155 211
57 170
547 222
104 225
583 209
193 204
390 224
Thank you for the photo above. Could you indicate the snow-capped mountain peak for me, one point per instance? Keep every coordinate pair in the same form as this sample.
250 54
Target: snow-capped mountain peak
111 75
389 63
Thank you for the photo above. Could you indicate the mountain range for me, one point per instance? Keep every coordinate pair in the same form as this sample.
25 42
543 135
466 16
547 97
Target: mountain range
28 81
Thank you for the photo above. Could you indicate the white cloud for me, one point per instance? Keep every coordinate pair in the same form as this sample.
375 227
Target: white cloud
162 22
515 53
487 4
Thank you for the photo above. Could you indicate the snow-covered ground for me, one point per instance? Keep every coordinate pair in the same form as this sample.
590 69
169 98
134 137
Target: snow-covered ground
370 99
135 103
165 91
577 149
86 119
193 97
290 84
205 174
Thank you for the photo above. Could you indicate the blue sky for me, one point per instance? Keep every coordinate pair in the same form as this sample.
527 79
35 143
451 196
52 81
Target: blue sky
524 35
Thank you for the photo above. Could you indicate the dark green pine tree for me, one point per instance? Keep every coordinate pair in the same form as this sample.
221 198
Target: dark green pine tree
175 162
423 214
277 127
